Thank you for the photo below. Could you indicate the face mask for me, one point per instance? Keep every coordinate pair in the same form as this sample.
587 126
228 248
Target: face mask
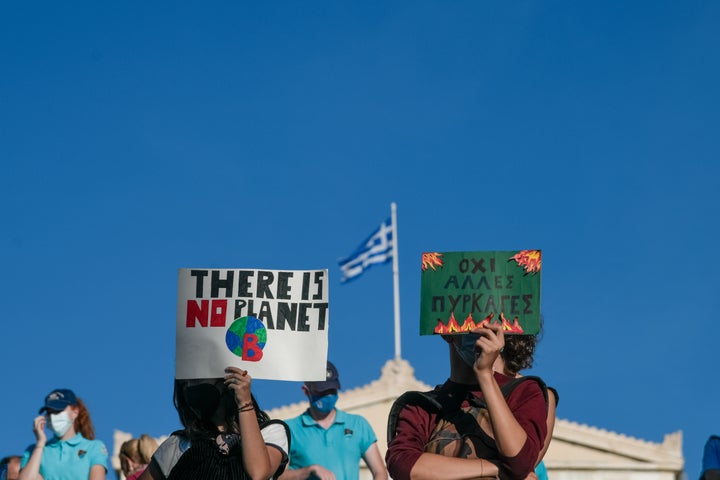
324 404
466 348
60 423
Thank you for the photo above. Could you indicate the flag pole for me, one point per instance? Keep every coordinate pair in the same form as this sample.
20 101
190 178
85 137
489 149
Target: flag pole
396 281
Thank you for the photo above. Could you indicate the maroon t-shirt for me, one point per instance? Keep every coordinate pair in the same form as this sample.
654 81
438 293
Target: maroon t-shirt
415 427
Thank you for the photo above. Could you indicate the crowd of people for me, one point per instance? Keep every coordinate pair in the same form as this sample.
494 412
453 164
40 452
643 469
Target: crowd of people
486 421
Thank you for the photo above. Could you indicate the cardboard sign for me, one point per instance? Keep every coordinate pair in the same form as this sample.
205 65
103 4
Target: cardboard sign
272 323
461 291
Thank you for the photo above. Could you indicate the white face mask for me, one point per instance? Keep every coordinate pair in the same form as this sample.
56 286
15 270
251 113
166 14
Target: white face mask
60 423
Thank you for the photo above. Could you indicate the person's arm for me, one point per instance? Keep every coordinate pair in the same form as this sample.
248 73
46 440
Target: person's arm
375 463
452 468
275 457
98 456
407 460
509 434
31 470
97 472
520 430
276 436
255 453
552 408
306 472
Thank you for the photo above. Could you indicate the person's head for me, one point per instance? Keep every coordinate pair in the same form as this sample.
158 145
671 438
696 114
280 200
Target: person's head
136 453
10 467
323 394
519 352
205 404
67 414
516 355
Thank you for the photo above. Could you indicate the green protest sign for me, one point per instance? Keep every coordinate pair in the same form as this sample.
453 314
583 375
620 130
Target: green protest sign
461 291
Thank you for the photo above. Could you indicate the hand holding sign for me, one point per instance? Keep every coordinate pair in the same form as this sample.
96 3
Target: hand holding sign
489 344
239 382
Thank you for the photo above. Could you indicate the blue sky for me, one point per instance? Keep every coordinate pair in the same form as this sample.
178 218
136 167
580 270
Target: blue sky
137 139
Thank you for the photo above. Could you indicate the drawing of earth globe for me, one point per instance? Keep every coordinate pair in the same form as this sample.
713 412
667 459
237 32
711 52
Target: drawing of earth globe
236 333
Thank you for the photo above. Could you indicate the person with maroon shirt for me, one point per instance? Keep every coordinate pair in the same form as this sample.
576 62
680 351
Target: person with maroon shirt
480 364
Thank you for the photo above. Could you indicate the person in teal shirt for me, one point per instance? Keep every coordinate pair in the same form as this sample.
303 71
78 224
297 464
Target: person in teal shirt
72 453
327 443
541 471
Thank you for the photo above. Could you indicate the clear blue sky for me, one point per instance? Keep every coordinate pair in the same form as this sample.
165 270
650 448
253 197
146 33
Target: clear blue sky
137 138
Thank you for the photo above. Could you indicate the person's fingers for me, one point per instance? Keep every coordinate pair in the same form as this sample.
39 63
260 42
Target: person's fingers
494 334
39 422
238 380
235 376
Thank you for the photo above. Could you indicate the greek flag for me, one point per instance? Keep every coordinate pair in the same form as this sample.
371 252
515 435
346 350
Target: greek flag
378 248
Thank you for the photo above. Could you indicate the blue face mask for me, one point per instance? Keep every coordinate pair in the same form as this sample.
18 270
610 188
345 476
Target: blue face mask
324 404
466 348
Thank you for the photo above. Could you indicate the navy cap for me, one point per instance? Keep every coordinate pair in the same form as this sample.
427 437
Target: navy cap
332 380
58 399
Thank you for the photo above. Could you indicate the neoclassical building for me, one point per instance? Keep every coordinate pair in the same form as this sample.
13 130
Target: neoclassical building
577 452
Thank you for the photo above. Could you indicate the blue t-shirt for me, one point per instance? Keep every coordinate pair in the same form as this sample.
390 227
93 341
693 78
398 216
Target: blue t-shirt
69 459
339 448
541 471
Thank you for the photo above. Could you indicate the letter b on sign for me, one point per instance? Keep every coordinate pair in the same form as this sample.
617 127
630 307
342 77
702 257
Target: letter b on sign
246 338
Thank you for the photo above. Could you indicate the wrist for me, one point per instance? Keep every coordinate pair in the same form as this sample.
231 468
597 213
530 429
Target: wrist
485 377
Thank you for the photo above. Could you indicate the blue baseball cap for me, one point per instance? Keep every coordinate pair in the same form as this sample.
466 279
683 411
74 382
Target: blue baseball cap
58 399
331 382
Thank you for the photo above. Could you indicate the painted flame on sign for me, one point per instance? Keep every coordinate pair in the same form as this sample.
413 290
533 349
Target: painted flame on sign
530 260
469 324
431 260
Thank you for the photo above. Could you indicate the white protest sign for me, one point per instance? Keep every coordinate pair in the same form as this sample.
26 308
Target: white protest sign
272 323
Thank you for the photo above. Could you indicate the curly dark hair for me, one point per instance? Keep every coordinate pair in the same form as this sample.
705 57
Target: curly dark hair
519 350
197 426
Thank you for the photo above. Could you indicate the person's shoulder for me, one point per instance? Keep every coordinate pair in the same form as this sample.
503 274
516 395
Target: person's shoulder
345 415
275 425
527 387
342 415
97 445
175 442
30 448
176 438
296 421
93 446
276 431
26 454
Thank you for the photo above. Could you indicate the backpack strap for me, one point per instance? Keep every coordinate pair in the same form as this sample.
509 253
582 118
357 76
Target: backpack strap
509 387
425 400
434 401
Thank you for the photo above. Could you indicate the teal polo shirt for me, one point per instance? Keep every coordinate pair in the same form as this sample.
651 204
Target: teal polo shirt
69 459
339 448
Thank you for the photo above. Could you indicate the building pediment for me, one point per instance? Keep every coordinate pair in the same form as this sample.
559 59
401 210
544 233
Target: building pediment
577 452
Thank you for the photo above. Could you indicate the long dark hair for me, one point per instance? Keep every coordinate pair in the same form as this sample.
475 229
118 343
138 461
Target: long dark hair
199 425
